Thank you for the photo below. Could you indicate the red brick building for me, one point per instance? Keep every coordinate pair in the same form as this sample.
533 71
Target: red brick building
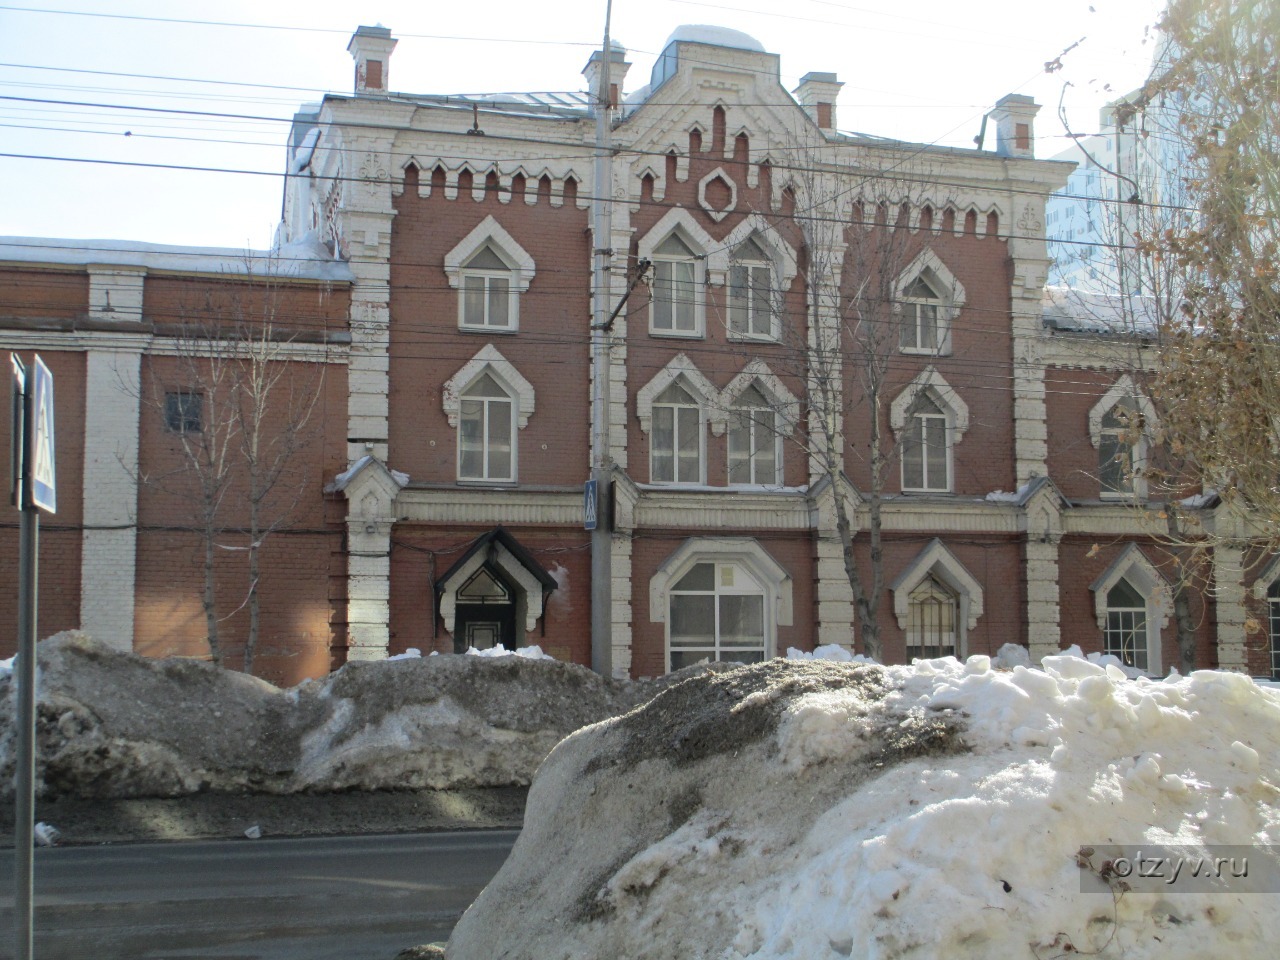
780 290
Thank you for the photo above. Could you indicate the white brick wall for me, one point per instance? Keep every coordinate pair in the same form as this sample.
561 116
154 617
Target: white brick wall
109 544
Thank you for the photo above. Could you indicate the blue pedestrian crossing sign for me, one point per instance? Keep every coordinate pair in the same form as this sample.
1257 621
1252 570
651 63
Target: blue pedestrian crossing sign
44 487
589 505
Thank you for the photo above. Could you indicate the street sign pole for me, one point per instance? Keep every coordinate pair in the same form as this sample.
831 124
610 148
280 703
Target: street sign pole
35 490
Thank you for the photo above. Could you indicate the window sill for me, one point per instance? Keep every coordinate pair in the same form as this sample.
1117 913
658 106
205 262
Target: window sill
924 351
677 334
500 331
736 337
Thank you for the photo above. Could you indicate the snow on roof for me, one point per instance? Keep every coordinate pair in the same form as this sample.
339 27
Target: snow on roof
303 259
714 36
1070 310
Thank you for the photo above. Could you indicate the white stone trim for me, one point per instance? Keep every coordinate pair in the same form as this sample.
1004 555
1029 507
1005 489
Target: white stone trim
717 174
490 360
1123 387
115 293
680 367
530 585
489 230
771 575
757 372
781 252
1269 575
1132 565
937 560
951 296
931 381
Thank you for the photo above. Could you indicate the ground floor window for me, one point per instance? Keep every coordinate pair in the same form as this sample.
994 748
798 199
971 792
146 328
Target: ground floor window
1126 631
1273 607
717 612
931 622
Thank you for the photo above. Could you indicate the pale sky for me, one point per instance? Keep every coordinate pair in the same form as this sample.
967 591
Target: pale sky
918 70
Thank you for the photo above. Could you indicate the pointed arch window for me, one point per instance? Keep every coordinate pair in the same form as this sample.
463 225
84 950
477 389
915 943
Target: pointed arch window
676 444
920 305
488 300
932 613
486 432
926 456
1121 450
675 288
1273 623
1125 635
755 441
751 307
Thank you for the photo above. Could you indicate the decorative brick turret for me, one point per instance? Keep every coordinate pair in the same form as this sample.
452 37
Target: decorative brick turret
817 93
1015 117
618 67
370 48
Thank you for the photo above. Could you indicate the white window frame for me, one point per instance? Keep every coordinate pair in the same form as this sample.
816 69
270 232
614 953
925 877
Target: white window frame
744 322
487 277
665 278
518 389
1125 621
915 603
1124 389
1273 627
661 410
766 573
490 415
490 233
1132 565
681 369
781 262
911 316
919 429
904 419
782 403
947 288
709 262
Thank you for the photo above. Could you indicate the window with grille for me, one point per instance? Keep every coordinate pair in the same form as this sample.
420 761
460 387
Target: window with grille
184 411
931 621
1117 454
717 612
675 288
925 458
486 432
1273 608
754 440
1126 633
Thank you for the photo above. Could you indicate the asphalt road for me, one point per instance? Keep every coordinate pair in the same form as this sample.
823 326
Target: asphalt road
323 898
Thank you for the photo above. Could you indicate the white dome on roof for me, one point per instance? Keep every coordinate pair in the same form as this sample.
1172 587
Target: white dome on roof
715 36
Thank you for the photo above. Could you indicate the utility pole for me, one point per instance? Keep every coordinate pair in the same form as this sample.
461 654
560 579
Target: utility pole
601 462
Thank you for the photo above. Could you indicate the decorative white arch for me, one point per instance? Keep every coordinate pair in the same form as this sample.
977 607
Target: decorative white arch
680 367
490 231
930 381
936 560
488 359
951 294
757 372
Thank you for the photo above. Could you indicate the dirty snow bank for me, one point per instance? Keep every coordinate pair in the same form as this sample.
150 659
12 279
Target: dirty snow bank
116 725
810 810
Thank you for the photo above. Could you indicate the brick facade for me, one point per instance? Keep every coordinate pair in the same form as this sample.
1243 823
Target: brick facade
442 317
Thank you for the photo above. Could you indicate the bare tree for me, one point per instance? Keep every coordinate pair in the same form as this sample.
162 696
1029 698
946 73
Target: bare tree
239 406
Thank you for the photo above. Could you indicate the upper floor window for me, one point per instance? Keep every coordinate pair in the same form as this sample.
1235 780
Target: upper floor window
675 288
751 307
676 444
754 439
184 411
920 305
488 300
486 432
488 402
925 455
1118 427
490 271
927 299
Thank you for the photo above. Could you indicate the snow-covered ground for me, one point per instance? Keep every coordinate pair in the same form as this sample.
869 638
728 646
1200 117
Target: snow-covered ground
814 810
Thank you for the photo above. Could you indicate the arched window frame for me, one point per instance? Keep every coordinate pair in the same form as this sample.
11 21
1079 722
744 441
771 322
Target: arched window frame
771 577
936 561
519 391
781 403
1105 438
904 420
780 262
950 297
681 370
519 273
1133 566
1267 589
680 223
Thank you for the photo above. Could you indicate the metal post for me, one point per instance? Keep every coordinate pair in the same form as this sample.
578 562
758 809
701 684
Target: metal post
601 465
24 674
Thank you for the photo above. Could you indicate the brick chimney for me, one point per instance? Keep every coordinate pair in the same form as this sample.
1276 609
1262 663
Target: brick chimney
817 94
618 67
370 48
1015 117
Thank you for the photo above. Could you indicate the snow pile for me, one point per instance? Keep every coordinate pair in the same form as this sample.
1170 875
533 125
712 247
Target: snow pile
809 809
113 724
